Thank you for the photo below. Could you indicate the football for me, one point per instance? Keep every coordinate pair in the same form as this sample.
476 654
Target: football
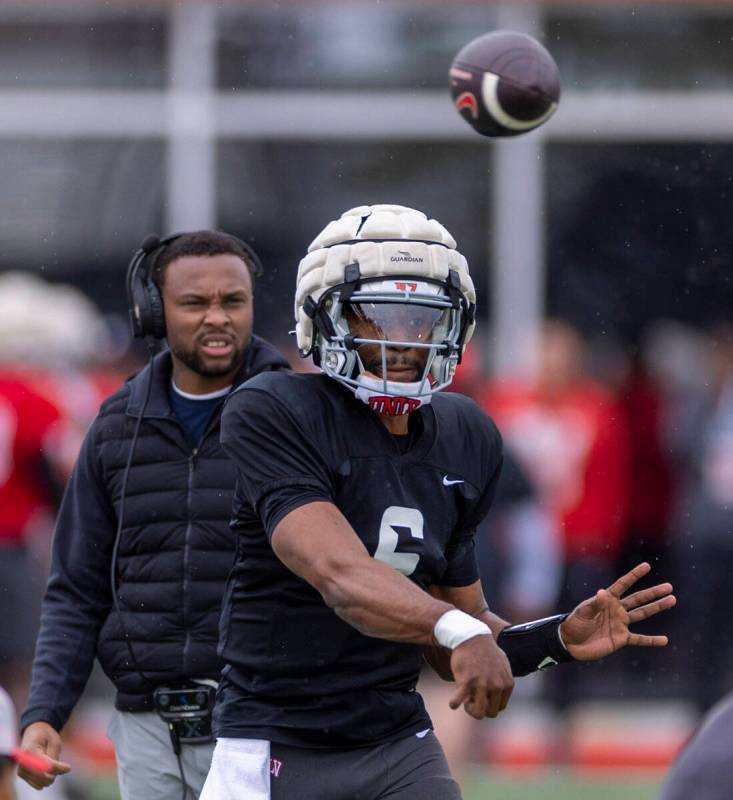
504 83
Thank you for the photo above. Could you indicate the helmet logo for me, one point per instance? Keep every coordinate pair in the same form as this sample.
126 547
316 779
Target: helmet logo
404 256
393 406
405 287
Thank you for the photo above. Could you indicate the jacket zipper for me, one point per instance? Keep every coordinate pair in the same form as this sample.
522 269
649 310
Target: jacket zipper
213 422
186 553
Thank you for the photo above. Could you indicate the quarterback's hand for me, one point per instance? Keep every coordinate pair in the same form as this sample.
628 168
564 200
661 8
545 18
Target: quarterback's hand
42 740
483 677
600 625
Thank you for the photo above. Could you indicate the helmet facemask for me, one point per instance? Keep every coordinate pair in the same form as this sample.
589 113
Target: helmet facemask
394 342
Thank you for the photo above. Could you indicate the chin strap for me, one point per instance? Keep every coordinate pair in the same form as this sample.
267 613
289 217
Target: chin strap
399 399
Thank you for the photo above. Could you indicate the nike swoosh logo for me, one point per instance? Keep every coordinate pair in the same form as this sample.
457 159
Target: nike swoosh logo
446 482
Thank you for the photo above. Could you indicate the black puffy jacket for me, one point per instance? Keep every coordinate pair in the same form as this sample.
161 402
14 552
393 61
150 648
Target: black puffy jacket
174 554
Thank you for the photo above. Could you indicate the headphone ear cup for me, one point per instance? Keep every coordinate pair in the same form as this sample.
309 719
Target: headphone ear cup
156 312
147 316
139 305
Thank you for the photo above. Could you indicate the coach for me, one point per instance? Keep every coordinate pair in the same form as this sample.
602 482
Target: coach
147 510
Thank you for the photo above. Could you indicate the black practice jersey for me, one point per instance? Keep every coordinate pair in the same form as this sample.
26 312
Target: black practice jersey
295 672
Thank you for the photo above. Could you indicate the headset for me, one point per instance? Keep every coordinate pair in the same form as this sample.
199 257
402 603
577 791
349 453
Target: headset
147 318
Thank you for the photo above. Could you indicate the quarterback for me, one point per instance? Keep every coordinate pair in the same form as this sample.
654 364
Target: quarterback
359 492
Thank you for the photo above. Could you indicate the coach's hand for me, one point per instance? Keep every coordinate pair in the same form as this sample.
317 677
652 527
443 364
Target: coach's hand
43 740
483 677
600 625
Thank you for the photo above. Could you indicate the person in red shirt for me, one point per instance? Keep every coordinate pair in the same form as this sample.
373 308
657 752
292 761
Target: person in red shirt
571 437
28 490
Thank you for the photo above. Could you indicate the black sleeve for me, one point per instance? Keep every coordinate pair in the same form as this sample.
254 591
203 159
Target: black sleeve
460 554
483 445
78 596
279 468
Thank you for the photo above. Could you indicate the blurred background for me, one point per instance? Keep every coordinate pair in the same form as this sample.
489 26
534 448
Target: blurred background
601 250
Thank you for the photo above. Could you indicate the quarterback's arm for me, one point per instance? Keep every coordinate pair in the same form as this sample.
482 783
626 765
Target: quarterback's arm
596 627
317 543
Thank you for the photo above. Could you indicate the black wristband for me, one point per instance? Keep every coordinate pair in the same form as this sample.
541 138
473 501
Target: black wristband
534 645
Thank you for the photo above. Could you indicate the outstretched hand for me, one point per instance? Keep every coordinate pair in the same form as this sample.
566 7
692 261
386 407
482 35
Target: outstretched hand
600 625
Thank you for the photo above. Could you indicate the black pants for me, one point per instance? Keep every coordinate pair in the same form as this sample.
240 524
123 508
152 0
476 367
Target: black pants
408 769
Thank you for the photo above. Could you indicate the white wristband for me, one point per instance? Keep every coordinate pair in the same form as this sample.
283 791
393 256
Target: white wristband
455 627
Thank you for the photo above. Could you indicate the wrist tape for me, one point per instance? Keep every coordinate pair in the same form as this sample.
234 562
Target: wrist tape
534 645
455 627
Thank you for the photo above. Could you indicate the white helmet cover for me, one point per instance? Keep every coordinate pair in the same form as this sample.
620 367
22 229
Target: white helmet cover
349 261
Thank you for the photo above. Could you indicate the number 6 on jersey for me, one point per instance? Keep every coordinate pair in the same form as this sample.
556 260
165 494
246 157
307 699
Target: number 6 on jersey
394 519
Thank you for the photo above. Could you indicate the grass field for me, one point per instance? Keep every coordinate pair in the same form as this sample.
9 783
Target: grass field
559 787
553 786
